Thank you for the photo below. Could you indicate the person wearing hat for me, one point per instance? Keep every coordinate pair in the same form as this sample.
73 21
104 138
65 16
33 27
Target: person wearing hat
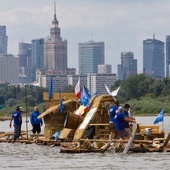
127 114
17 121
120 120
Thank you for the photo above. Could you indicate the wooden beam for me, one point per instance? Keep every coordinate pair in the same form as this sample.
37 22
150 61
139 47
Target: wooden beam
118 140
166 140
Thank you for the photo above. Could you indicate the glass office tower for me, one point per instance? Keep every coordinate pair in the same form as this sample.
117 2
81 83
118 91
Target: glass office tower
153 58
91 54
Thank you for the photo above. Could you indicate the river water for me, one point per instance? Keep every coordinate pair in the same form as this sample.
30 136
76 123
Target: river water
32 156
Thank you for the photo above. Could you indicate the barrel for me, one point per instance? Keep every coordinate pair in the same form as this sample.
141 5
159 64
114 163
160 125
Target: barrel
72 120
148 131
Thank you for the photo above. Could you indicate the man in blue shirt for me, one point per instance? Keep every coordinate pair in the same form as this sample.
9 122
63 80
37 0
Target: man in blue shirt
120 120
35 122
17 118
127 114
112 113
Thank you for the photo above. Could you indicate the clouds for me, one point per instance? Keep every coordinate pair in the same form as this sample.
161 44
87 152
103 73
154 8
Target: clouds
122 25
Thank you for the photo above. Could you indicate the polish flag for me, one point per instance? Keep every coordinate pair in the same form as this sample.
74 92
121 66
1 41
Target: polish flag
78 89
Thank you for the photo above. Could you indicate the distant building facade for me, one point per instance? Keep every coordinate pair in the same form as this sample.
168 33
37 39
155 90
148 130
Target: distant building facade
55 49
91 54
153 58
3 40
168 56
9 65
104 68
59 81
96 82
128 66
73 79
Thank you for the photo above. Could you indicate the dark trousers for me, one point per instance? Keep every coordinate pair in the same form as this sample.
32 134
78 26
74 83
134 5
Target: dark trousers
17 131
36 128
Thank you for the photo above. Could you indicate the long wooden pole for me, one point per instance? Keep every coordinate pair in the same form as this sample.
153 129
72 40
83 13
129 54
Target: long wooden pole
131 139
166 140
26 112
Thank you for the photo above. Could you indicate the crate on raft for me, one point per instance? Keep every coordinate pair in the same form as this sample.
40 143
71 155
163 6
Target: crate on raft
54 119
149 132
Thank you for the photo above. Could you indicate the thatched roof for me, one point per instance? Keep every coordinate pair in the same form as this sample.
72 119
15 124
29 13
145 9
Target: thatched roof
68 106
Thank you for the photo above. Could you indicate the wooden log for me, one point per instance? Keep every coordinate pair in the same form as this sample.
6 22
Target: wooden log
105 147
131 139
166 140
159 139
119 141
157 145
66 150
36 135
2 134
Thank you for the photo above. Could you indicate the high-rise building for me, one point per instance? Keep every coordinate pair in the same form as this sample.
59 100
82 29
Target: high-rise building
3 40
55 49
37 56
24 53
168 56
91 54
9 69
153 58
128 65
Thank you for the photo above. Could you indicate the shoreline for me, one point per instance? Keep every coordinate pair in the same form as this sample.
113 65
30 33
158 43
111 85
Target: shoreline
4 118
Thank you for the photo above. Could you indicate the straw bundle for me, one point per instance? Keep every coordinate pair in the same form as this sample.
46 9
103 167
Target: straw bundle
54 119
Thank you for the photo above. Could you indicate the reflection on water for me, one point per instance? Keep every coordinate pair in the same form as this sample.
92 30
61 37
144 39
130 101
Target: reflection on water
32 156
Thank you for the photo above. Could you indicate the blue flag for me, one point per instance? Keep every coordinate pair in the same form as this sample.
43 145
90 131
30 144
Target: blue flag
160 117
85 97
61 103
61 106
50 91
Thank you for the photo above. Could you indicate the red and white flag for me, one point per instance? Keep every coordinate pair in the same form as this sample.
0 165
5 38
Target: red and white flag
78 89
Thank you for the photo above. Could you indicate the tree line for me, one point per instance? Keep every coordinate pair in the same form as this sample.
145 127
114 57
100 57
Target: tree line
146 95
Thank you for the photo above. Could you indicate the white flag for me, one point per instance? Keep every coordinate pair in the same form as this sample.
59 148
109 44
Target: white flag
114 93
78 89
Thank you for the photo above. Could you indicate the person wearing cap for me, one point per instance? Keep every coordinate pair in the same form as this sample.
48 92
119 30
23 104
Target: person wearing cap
35 122
17 121
127 114
120 120
112 113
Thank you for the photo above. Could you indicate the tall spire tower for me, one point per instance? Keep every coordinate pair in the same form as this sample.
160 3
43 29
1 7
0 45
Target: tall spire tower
55 30
55 49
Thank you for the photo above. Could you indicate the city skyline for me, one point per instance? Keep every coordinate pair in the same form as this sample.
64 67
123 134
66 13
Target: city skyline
121 25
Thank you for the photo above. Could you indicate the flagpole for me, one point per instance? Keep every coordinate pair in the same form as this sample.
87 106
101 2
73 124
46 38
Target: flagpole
26 112
163 126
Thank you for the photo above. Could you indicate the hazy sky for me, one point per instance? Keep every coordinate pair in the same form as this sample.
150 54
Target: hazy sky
121 24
